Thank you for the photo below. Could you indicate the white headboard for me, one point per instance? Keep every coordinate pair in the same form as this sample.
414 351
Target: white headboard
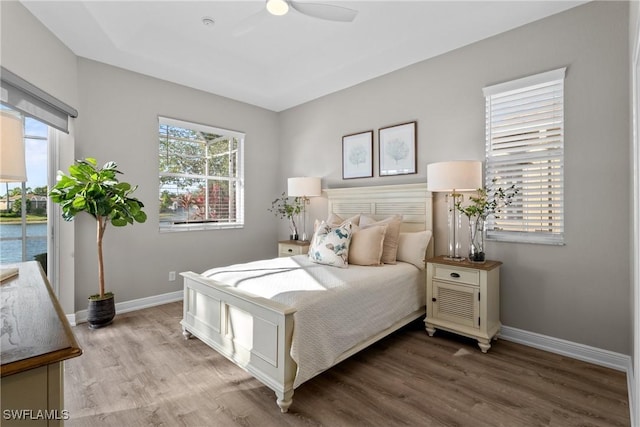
412 201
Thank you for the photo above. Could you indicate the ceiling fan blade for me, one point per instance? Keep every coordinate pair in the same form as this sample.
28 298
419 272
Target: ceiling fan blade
326 11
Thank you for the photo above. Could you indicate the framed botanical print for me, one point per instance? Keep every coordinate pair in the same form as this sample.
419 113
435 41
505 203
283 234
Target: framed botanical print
357 155
397 149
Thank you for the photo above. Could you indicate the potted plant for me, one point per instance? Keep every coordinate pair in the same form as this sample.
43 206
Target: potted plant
283 207
98 192
486 202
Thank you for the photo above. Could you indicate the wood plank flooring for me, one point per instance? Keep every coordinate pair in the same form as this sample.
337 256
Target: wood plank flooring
140 371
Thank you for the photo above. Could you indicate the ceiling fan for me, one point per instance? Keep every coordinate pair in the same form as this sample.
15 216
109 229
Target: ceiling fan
325 11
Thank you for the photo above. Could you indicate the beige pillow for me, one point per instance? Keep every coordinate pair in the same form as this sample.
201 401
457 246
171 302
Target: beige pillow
412 247
390 245
366 245
336 220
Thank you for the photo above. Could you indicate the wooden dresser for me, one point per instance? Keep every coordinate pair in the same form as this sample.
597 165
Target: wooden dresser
35 340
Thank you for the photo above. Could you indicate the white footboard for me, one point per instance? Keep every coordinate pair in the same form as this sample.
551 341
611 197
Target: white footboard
253 332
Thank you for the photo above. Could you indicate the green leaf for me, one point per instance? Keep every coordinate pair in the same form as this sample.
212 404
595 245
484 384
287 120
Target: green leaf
76 171
140 216
119 222
110 166
79 202
124 186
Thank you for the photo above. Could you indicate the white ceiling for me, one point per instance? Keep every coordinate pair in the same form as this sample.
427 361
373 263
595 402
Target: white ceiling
275 62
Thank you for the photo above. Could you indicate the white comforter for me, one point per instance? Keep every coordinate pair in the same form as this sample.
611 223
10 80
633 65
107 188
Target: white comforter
337 308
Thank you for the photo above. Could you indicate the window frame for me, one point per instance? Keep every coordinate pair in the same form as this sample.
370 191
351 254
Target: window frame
546 147
237 179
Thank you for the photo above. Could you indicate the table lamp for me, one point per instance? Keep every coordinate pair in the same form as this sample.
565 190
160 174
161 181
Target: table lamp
452 177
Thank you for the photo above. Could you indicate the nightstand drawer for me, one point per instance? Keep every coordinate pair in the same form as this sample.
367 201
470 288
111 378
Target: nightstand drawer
453 274
292 247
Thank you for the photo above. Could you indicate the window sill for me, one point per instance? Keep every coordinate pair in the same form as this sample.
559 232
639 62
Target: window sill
521 237
197 226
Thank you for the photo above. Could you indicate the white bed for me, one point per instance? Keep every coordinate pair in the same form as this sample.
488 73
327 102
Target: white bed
267 315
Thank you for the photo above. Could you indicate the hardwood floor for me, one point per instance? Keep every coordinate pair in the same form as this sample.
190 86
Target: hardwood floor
140 371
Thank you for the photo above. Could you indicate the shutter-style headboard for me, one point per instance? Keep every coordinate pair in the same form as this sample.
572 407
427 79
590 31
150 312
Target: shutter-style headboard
412 201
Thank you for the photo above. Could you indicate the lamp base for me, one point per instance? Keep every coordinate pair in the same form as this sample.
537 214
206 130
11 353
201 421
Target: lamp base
455 258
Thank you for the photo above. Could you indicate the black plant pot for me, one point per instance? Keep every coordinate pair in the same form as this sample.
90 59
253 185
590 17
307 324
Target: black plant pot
101 311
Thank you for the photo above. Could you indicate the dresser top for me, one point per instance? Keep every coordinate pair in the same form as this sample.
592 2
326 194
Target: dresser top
35 332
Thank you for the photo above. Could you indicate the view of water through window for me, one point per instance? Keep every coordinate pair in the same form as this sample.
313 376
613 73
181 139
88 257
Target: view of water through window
23 235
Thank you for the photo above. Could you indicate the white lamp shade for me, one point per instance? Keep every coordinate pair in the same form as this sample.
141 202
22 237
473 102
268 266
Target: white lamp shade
12 161
304 187
460 175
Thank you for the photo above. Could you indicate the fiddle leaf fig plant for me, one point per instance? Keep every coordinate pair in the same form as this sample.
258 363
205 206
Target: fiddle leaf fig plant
97 191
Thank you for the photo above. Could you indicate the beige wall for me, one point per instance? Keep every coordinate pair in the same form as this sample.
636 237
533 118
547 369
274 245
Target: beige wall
120 122
578 292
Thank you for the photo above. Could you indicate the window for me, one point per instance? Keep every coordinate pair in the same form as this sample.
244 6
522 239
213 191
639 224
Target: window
525 147
201 177
23 220
45 119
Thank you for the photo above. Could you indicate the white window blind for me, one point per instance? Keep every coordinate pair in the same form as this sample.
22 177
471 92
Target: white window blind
525 148
34 102
201 176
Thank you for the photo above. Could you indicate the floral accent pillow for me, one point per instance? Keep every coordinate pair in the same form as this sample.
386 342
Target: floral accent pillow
330 245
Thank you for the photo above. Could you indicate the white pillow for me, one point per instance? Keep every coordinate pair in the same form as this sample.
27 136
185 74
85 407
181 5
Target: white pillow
412 247
330 246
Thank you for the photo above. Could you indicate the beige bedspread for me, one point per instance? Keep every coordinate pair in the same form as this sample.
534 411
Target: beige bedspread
337 308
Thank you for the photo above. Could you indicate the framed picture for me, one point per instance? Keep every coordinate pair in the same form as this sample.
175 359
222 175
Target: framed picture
357 155
397 150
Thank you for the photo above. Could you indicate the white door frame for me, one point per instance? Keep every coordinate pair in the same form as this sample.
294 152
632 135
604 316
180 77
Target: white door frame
634 383
61 245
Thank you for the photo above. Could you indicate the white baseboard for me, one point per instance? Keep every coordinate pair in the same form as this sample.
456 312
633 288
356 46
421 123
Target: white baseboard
72 319
632 393
598 356
127 306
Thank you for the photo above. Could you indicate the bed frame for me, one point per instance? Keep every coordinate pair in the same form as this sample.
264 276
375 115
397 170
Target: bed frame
255 333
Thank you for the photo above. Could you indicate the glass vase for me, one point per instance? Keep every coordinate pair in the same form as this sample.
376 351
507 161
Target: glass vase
476 239
293 229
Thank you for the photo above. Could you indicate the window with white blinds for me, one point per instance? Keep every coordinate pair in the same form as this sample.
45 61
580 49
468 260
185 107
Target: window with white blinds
201 176
525 148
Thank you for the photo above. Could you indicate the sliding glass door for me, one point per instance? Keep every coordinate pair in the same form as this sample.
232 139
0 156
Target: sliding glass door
24 227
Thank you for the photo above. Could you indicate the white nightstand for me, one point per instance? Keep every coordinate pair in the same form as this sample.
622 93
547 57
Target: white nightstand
464 298
292 247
